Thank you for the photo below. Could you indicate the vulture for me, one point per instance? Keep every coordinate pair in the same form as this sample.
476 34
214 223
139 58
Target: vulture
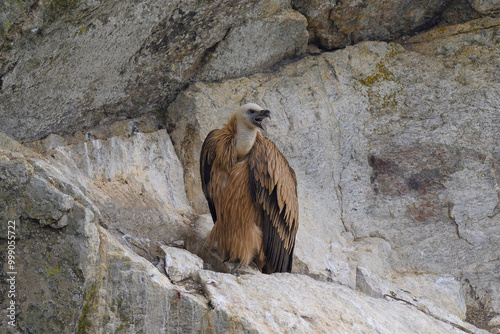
251 192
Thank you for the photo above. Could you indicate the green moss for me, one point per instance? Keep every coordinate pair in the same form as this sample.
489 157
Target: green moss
82 30
53 271
395 49
57 8
382 74
5 25
84 323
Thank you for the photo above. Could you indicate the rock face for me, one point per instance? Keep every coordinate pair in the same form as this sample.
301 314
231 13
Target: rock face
107 288
256 46
486 6
334 24
382 151
125 58
305 305
395 147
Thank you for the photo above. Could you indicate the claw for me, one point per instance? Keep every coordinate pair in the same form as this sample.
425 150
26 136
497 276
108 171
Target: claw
236 267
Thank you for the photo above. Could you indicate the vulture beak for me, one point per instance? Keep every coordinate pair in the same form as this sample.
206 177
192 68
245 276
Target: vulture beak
259 117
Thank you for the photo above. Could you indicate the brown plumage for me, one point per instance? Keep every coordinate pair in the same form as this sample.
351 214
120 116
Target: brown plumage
251 192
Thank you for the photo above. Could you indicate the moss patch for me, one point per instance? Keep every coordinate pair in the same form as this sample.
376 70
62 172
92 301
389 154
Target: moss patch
84 323
53 271
57 8
382 73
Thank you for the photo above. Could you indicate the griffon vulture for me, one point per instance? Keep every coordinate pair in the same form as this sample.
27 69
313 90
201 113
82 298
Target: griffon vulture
251 192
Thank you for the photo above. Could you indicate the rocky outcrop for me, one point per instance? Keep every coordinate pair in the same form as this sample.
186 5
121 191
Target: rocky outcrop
108 288
335 24
125 58
486 6
395 147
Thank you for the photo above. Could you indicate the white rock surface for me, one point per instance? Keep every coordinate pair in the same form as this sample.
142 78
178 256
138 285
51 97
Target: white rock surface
284 303
135 182
180 264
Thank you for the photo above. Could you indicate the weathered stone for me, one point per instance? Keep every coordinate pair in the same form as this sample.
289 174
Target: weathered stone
55 268
444 295
133 296
180 264
135 182
395 149
44 202
486 6
52 141
390 144
334 24
366 284
295 303
257 45
63 221
495 321
108 61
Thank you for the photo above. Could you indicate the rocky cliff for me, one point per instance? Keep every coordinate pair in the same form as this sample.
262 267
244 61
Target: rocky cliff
389 112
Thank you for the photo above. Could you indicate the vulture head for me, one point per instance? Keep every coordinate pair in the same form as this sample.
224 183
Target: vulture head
252 115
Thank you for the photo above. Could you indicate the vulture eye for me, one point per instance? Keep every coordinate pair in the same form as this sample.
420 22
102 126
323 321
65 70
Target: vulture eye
251 111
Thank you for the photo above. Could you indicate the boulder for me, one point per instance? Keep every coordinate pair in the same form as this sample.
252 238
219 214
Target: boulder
180 264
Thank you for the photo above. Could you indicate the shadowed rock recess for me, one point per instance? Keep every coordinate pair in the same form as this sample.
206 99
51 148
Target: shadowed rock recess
393 134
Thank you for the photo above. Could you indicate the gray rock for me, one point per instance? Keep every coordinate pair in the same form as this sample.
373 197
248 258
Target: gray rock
63 221
295 303
486 6
108 61
443 295
54 268
495 321
395 149
335 24
52 141
366 284
180 264
133 296
134 181
257 45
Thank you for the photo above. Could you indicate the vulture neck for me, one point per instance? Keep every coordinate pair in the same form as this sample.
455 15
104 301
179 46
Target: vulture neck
244 138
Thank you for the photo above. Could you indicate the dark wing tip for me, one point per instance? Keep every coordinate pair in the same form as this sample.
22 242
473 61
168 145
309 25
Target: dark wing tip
207 157
278 229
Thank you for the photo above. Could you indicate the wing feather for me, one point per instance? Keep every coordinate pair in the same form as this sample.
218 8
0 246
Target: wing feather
207 159
274 189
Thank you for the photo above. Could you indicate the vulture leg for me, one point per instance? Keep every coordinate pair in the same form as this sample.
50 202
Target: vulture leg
226 260
256 266
236 267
